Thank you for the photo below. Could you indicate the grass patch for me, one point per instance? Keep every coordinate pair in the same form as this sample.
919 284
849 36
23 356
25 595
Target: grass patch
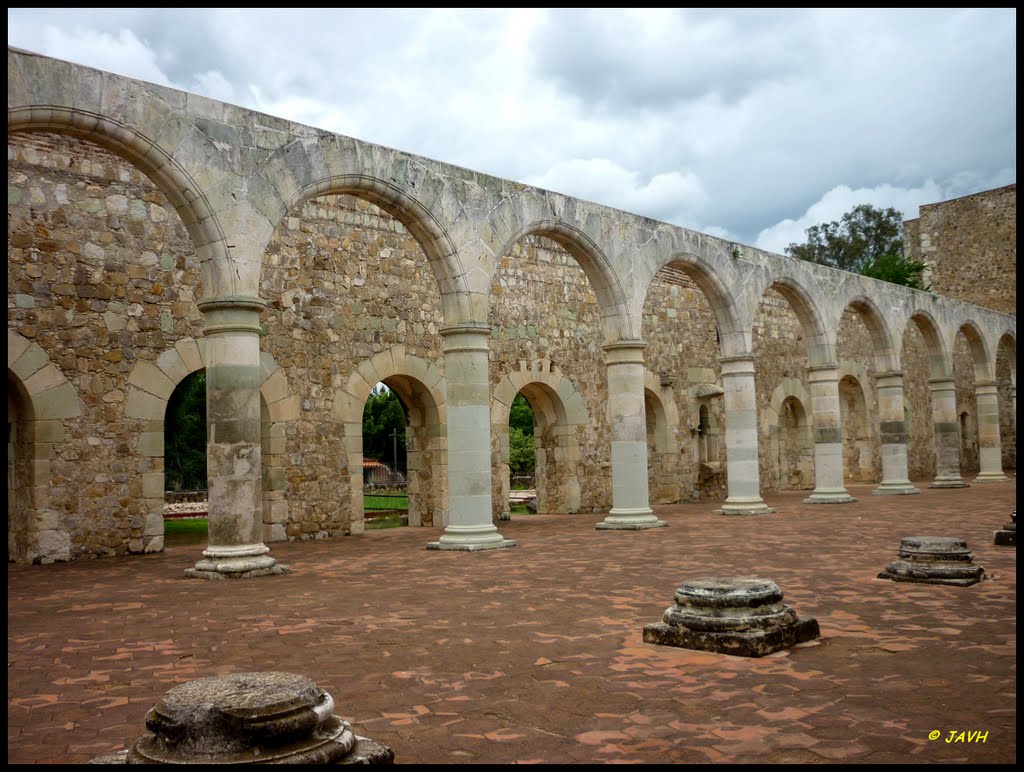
373 502
186 525
519 509
386 521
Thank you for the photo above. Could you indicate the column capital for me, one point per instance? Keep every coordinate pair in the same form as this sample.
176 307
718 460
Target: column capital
624 352
741 364
822 368
889 374
942 383
465 337
986 387
235 313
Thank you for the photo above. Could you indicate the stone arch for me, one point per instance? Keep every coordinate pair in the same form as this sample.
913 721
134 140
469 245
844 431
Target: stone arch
663 462
885 354
39 399
612 298
219 272
422 390
939 352
984 370
790 438
559 413
442 255
820 348
150 385
857 409
732 339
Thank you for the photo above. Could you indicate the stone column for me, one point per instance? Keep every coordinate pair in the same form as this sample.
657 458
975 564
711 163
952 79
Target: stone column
233 445
990 451
470 525
631 509
947 434
741 460
893 432
828 437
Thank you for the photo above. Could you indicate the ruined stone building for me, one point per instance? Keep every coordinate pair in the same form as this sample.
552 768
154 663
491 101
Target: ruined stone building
154 233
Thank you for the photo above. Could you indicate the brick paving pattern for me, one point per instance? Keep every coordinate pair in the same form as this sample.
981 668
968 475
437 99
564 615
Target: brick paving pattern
535 654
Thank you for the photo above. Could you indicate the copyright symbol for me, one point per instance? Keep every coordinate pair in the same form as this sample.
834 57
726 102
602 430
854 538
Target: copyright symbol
934 734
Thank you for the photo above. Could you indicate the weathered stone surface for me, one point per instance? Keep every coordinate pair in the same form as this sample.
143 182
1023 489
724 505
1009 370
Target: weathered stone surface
741 616
934 560
1007 536
249 718
105 269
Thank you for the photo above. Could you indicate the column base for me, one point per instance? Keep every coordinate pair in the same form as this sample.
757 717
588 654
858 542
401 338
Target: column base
236 562
948 482
471 538
744 507
895 488
839 496
630 520
991 477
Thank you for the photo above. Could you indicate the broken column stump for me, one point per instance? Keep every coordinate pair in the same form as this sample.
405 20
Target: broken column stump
934 560
741 616
1008 536
249 718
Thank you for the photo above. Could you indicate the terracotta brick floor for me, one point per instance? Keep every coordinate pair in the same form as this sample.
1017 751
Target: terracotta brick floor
534 654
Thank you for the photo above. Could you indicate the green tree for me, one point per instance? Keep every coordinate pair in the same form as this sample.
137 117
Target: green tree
185 435
384 427
522 460
898 269
868 241
858 240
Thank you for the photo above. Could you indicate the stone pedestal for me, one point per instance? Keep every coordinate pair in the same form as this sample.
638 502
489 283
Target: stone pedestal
249 718
934 560
1008 536
741 616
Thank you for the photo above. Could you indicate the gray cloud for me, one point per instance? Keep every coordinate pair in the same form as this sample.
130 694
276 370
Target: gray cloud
739 122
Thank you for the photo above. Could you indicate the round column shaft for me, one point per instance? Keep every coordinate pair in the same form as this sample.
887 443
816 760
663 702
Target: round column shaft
741 446
990 451
233 450
630 504
828 437
470 527
893 430
947 435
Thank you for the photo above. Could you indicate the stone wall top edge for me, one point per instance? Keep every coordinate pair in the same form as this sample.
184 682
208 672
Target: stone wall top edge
751 259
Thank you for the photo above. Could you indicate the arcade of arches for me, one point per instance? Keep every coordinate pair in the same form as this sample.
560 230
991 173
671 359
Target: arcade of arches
301 268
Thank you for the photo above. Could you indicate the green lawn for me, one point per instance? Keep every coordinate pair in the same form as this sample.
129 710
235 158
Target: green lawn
189 525
372 502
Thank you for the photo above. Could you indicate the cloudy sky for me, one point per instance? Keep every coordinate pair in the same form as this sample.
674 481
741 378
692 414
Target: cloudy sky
747 124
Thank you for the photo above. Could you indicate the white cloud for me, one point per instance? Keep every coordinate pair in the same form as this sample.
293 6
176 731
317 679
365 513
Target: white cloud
670 197
727 121
840 200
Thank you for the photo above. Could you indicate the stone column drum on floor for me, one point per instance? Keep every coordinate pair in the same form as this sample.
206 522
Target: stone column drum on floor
895 478
631 510
249 718
947 434
234 446
741 616
470 527
1007 537
828 437
990 451
934 560
742 473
